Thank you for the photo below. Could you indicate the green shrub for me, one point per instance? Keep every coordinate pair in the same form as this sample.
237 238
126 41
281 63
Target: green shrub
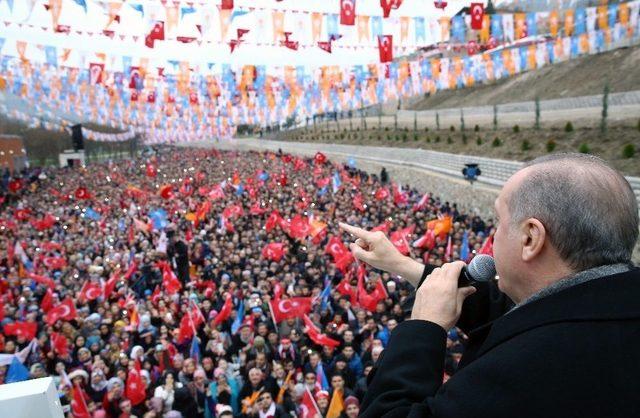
406 129
415 137
584 148
426 129
568 127
437 139
629 151
386 128
405 137
479 141
516 128
397 137
452 128
551 145
464 139
476 128
639 124
449 140
526 145
389 138
428 140
496 142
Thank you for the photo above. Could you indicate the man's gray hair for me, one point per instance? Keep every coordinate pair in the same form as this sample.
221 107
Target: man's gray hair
588 209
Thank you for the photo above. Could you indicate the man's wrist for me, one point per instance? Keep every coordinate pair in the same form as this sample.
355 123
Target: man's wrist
409 269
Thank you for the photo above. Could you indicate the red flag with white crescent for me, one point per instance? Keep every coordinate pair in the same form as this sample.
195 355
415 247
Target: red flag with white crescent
477 15
289 308
64 310
79 408
385 47
348 12
90 291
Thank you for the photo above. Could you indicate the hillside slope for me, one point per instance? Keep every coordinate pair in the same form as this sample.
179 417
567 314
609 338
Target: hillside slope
579 77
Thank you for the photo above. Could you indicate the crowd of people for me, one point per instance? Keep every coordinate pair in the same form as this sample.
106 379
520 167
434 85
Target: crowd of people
201 283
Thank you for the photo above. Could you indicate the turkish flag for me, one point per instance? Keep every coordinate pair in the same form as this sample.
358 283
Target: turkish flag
400 239
346 289
54 263
224 313
385 47
320 158
325 46
308 406
82 193
45 223
348 12
369 301
386 7
299 163
357 202
47 301
166 192
15 185
216 193
26 329
487 246
428 241
21 214
64 310
233 211
448 253
90 291
46 281
110 285
477 15
95 72
439 4
472 47
273 251
382 193
336 248
289 308
79 407
299 227
227 5
59 344
316 336
169 280
134 389
257 209
151 170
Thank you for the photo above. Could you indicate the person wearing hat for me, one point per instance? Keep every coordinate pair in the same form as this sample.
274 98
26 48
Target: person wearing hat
322 400
351 408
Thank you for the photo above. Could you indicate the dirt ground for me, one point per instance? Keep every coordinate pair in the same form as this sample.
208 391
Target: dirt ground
523 145
579 77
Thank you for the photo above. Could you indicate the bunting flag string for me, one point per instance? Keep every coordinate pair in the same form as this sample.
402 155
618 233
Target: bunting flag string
168 100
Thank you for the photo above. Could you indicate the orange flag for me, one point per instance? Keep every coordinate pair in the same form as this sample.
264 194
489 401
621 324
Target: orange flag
337 404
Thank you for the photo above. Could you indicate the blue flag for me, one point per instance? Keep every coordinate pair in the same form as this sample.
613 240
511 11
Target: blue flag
52 55
17 372
92 214
324 298
1 44
420 29
464 248
332 24
186 10
336 182
82 3
138 7
376 26
159 219
237 323
194 352
321 377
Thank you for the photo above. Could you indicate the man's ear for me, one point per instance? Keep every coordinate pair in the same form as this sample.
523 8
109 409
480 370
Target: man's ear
533 237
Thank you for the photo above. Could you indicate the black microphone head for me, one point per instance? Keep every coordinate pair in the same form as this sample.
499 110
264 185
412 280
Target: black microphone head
482 268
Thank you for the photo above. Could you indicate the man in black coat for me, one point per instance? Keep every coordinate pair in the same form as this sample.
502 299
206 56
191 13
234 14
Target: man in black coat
568 348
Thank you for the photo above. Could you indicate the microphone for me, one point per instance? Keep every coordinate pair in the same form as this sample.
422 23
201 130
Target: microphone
481 269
